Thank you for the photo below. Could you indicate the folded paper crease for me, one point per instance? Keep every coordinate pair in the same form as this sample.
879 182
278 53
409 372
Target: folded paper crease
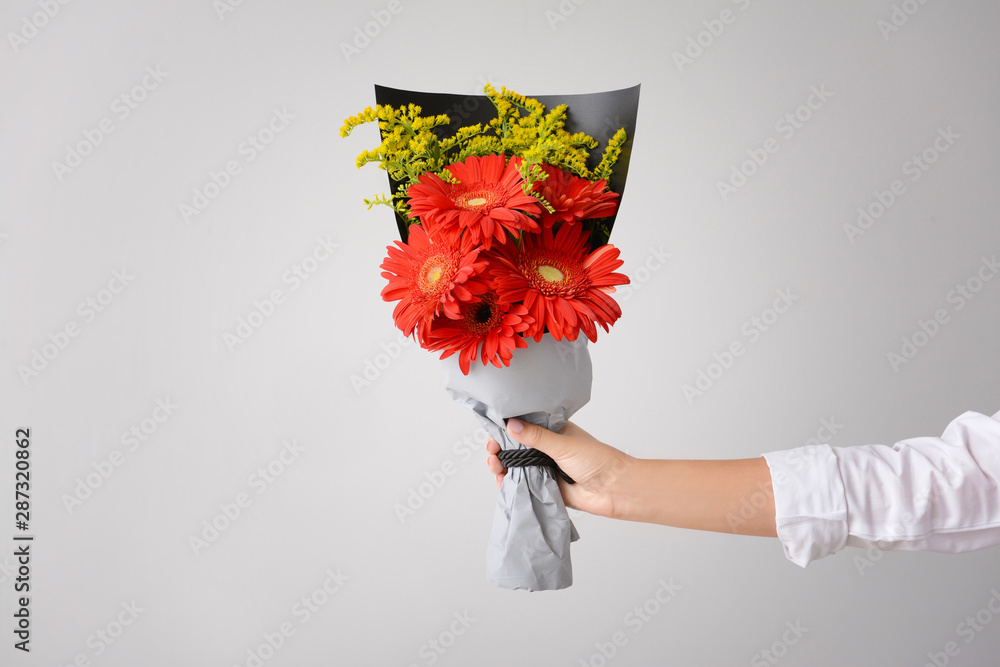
545 384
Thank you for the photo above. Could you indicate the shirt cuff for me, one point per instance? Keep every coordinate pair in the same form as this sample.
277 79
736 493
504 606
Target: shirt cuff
934 494
810 505
927 493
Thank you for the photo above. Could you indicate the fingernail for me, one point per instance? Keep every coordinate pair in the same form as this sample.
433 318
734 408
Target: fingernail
515 426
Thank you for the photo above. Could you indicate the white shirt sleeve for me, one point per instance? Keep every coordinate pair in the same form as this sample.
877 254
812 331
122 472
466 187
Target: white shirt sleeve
921 494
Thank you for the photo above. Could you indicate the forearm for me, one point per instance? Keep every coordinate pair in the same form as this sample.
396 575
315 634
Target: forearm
728 496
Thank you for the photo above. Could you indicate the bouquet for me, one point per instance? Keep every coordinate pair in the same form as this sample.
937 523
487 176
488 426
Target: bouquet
503 267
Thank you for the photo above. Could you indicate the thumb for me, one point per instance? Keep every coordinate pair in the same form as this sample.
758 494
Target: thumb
536 437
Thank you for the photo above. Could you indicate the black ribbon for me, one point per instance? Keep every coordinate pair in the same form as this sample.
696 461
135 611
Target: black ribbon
519 458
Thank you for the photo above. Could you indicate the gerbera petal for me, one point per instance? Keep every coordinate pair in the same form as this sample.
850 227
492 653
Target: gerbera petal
427 275
564 289
488 188
488 328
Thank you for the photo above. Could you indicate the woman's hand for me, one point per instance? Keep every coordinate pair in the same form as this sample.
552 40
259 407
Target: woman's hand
703 495
594 466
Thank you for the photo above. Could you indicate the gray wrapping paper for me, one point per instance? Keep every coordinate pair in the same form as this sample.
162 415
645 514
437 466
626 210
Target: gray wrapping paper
545 384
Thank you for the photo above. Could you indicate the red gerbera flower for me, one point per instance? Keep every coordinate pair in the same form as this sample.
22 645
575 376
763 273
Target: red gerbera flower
564 289
487 201
494 324
429 277
573 198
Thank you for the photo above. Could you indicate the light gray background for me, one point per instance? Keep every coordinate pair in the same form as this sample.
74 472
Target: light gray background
365 452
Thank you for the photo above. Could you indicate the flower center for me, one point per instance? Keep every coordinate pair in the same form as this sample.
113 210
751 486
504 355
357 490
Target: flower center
550 273
481 313
435 275
484 316
553 275
480 197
